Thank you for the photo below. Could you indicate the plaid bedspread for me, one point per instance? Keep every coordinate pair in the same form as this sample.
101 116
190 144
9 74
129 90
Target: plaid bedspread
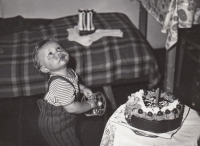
105 61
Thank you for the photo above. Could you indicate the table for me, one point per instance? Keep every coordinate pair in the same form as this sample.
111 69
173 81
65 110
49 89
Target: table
118 134
172 14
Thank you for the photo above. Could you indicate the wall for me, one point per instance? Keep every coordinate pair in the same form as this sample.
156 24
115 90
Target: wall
1 9
60 8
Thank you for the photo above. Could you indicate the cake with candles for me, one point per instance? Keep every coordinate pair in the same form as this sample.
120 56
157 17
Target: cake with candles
154 111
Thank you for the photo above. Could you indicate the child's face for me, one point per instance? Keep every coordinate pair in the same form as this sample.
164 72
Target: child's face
53 57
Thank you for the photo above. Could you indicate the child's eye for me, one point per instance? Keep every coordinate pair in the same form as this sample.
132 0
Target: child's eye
49 55
58 48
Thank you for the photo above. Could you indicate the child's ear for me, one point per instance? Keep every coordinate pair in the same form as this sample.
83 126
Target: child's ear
44 69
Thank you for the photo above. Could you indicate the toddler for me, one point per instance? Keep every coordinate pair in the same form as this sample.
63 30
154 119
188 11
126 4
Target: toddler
59 107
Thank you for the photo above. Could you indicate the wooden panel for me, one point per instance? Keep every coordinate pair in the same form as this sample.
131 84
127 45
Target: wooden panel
170 69
110 97
143 20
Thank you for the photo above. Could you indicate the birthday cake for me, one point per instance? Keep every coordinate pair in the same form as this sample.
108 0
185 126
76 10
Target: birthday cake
154 111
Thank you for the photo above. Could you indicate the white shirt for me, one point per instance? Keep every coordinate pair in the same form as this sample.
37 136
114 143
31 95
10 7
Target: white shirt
62 92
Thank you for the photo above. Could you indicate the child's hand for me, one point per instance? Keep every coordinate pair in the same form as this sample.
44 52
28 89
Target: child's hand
92 103
87 92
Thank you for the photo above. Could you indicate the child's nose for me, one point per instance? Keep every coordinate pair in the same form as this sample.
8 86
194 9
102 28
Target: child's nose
59 53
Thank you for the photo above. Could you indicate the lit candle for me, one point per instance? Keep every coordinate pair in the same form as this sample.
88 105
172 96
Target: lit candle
157 95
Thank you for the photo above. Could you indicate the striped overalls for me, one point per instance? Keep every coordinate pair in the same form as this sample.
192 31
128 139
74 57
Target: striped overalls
56 124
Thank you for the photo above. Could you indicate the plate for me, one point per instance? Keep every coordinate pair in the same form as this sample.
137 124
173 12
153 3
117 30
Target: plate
144 134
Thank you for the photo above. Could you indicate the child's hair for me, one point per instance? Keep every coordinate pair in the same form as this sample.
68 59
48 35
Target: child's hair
40 45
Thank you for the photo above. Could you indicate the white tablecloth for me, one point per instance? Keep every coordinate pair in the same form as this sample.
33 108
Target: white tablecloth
116 134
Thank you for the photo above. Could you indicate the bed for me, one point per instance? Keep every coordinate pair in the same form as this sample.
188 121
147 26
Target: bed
108 61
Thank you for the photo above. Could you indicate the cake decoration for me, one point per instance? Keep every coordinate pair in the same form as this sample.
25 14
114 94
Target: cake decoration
154 111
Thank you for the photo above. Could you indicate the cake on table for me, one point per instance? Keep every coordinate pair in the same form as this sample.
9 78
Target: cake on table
154 111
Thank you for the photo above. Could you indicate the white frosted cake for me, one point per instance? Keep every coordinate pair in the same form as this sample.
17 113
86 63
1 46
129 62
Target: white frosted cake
144 111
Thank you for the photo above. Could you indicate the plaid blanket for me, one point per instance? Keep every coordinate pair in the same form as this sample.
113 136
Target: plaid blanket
105 61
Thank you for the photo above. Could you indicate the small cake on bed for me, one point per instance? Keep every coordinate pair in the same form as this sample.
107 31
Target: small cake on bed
145 111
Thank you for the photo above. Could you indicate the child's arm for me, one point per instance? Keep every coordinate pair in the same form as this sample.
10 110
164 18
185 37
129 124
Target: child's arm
86 91
80 107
